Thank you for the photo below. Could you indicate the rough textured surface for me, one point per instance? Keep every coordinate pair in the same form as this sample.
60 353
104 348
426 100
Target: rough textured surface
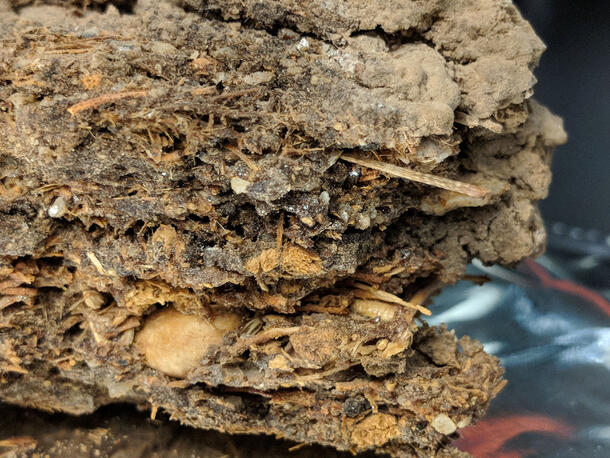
320 168
352 372
119 431
184 147
348 381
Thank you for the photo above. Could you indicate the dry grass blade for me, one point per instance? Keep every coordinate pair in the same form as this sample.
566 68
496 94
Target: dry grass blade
369 292
243 157
13 368
424 293
19 442
102 99
420 177
319 375
270 334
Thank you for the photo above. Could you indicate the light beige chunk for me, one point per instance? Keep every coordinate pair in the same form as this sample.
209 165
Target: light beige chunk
174 343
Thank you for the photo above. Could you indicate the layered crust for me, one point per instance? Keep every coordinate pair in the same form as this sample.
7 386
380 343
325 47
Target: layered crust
234 211
367 379
218 155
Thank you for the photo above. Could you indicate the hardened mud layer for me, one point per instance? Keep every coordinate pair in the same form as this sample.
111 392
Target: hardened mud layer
232 211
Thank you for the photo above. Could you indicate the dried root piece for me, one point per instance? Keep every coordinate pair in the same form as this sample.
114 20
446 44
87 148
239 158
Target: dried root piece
419 177
102 99
377 296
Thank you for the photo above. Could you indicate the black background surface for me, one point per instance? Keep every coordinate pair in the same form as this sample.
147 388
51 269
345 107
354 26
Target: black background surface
573 81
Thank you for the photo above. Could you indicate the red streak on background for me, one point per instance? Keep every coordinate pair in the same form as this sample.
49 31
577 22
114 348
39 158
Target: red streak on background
487 438
567 286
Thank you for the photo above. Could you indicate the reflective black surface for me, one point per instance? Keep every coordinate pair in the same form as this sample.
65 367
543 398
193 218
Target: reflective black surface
574 81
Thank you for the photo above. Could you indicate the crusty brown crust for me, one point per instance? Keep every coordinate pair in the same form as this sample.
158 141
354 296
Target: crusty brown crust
311 168
121 431
206 152
347 381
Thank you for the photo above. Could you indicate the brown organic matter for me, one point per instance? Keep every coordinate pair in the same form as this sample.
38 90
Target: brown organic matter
233 211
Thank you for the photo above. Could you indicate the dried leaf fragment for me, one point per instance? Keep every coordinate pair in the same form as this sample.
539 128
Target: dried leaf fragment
376 429
300 261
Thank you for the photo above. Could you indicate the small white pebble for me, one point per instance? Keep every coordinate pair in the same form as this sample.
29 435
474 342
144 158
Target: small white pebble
239 185
324 197
57 208
443 424
303 44
464 422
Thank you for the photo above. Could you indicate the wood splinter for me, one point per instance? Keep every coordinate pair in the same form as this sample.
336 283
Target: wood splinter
102 99
420 177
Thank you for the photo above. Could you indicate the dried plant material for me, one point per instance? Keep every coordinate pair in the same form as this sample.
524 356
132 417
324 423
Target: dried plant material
419 177
190 133
306 365
243 157
423 294
22 442
376 429
174 343
316 361
298 261
139 296
102 99
93 299
265 262
201 171
125 432
294 260
366 291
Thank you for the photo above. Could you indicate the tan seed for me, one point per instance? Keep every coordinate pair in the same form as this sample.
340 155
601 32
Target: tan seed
174 343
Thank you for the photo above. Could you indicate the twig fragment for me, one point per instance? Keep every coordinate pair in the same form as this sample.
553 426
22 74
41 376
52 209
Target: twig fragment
102 99
420 177
380 295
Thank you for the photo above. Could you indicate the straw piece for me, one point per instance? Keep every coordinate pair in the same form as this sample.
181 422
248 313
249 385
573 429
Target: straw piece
420 177
374 293
102 99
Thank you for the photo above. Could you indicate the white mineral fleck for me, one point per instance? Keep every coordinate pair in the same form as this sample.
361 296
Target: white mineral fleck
303 44
443 424
324 197
239 185
57 208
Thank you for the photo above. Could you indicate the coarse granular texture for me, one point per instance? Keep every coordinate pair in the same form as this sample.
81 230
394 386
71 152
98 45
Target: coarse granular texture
119 431
209 152
255 199
347 381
